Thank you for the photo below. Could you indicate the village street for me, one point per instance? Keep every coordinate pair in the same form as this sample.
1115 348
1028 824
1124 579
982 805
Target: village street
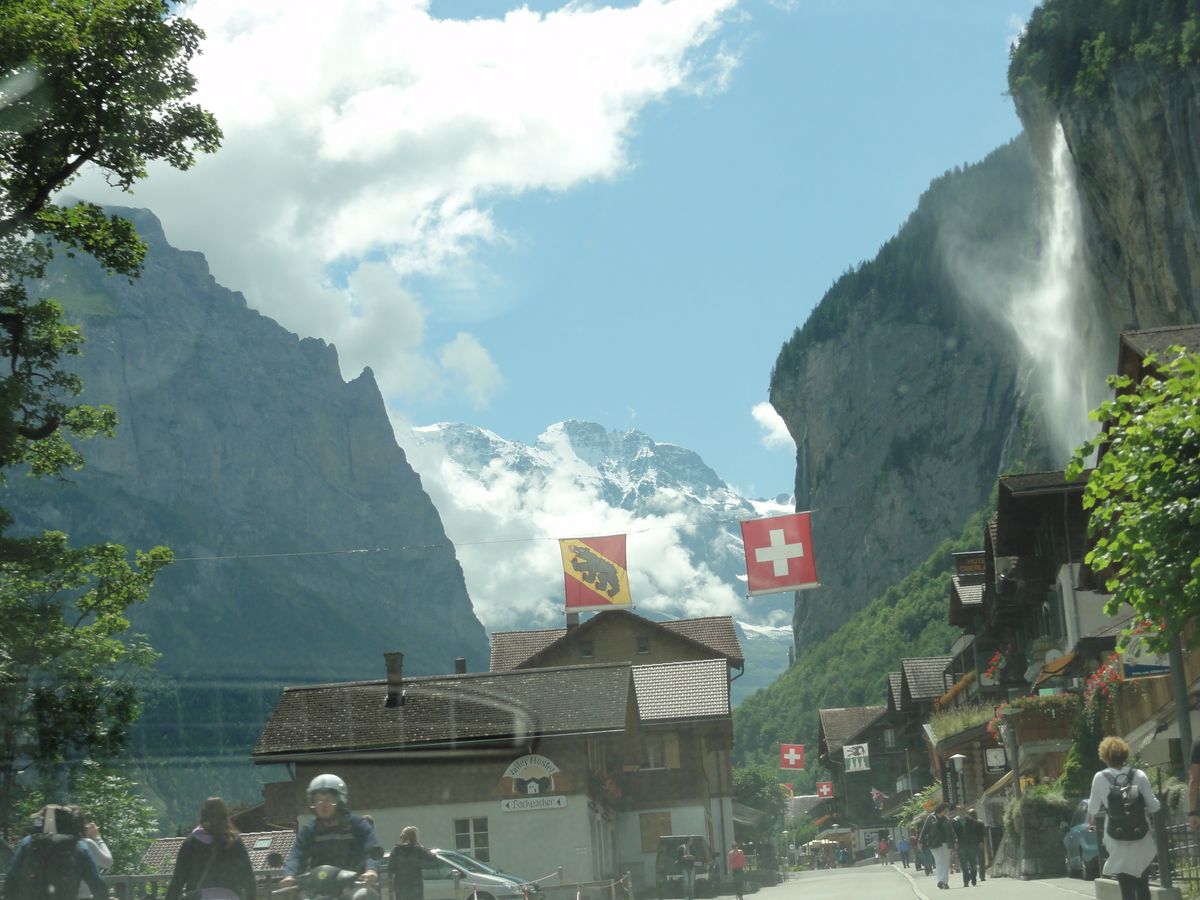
895 883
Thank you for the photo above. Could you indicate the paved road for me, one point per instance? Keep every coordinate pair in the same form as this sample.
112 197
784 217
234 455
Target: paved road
895 883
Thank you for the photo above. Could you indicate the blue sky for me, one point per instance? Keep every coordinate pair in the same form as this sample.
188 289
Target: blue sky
659 299
610 214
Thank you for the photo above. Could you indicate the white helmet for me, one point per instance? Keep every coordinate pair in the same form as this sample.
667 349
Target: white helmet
329 783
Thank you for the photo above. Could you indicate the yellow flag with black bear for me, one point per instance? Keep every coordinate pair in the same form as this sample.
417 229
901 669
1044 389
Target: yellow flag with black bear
595 572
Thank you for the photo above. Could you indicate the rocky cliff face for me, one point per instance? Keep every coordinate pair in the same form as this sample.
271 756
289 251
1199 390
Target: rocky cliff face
905 398
305 544
295 516
1136 148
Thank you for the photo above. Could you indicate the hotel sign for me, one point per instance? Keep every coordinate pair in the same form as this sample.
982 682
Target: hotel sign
526 804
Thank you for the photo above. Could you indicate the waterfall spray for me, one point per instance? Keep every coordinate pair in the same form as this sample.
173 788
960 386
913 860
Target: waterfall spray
1047 316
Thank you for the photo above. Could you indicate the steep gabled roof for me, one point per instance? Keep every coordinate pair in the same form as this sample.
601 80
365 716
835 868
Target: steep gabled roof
159 857
448 709
839 725
894 681
696 689
519 649
923 677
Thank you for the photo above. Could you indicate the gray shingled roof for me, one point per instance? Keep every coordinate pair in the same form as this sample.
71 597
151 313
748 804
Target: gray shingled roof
968 589
159 857
1038 482
838 726
511 649
1156 340
448 708
683 690
894 680
924 676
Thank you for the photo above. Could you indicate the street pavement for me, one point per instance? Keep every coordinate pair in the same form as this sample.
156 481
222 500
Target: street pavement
892 882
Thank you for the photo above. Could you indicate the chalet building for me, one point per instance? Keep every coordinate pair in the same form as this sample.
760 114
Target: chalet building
620 636
848 816
552 759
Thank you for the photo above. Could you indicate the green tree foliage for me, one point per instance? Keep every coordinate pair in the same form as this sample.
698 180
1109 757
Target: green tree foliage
82 82
100 82
66 693
1071 47
1144 494
126 821
760 787
850 668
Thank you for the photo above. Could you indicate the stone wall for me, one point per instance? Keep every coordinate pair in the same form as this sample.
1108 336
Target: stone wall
1032 844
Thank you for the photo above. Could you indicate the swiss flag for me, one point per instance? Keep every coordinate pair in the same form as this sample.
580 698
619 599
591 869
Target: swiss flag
779 554
824 789
791 756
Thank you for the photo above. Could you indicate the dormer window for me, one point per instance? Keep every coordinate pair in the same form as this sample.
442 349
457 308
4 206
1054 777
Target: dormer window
586 649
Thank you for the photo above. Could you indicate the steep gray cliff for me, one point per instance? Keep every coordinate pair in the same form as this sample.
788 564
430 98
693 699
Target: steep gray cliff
242 449
306 545
1136 147
905 398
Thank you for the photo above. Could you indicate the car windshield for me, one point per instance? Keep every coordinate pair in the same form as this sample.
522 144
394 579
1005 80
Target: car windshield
467 862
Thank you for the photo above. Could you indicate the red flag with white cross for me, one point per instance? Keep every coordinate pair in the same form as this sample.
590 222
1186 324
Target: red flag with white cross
779 554
824 789
791 756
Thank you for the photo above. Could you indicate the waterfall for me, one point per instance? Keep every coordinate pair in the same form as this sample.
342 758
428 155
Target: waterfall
1047 315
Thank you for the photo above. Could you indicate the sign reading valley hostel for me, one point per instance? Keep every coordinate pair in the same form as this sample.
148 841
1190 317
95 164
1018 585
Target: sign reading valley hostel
791 756
857 758
779 554
595 573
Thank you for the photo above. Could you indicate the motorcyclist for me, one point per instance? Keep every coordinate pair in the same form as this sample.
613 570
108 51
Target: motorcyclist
335 837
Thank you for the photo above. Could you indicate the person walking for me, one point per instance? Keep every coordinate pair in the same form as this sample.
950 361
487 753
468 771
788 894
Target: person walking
51 860
686 858
971 844
1129 858
404 865
937 834
213 863
883 847
737 868
905 849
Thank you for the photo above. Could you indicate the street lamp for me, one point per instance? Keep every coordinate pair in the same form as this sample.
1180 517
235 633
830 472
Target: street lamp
959 761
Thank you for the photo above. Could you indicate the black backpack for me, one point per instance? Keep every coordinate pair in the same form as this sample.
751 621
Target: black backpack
48 869
1126 808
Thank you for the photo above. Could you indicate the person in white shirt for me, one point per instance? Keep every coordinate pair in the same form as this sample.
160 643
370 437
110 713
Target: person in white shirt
96 848
1128 861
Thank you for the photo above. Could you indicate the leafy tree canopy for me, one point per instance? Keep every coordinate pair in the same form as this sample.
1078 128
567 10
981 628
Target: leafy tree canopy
100 82
760 787
1144 494
1070 47
105 83
66 692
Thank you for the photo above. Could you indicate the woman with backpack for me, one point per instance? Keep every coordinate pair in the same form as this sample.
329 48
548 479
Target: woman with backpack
1124 793
213 863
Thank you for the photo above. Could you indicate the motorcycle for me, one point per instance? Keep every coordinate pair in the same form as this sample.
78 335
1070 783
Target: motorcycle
324 881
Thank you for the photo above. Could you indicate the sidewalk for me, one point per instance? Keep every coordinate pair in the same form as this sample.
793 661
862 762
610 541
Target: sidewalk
925 886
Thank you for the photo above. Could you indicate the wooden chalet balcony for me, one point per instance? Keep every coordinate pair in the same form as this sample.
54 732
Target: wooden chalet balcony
1136 701
1045 729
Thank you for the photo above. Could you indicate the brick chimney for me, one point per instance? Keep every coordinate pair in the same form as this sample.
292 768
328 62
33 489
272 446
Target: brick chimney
572 620
460 665
395 678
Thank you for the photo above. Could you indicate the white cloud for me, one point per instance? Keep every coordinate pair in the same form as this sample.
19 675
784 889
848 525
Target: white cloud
466 357
506 524
775 434
371 130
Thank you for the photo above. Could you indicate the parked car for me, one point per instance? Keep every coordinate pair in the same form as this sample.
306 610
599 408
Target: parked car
1081 845
449 869
473 865
667 877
